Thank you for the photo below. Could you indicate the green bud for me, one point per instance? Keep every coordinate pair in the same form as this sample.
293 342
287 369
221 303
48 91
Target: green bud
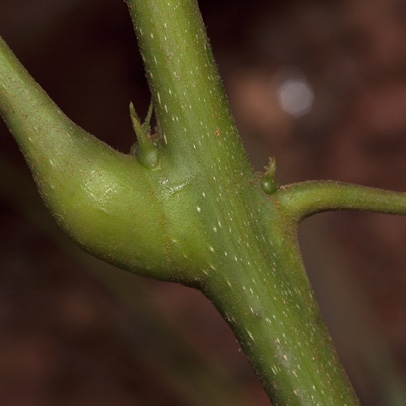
268 183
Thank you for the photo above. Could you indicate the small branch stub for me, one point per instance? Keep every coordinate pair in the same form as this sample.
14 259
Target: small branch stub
144 149
268 183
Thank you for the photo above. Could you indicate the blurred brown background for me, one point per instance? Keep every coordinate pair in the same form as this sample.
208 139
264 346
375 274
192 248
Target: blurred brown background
320 85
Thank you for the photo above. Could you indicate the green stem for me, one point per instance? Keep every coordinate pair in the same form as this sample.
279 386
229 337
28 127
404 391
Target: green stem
263 293
253 274
26 108
304 199
189 100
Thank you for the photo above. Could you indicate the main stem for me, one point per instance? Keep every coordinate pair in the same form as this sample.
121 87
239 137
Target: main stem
190 104
254 272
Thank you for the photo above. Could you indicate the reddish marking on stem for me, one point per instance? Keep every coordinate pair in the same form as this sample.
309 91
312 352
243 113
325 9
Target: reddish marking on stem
218 133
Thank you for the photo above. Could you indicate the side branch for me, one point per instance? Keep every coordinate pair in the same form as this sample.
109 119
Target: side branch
107 202
25 107
304 199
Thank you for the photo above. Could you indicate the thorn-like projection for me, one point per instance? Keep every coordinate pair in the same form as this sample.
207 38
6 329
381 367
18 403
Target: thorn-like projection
268 183
144 149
